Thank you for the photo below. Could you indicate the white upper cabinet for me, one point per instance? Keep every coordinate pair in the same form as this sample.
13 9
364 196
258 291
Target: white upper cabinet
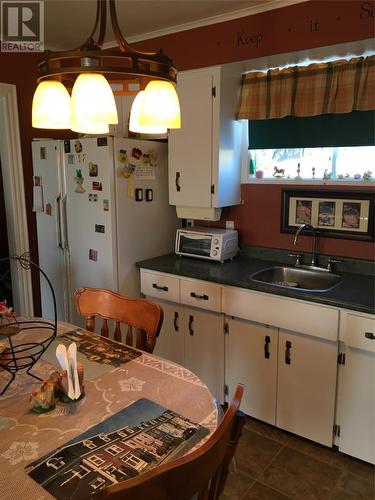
205 154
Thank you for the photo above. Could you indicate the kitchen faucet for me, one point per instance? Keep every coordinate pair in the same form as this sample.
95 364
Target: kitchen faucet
311 228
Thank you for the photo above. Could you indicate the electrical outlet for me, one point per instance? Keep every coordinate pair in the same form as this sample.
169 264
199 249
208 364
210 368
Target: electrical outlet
229 224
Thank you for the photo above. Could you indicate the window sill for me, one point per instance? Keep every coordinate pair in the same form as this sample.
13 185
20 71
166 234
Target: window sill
311 182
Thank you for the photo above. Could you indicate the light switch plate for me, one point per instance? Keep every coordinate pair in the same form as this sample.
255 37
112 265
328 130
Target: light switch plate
229 224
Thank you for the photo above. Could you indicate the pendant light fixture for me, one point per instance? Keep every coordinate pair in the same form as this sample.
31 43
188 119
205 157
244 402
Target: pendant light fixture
87 72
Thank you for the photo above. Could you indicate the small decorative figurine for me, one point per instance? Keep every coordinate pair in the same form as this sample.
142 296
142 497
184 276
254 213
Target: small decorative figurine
340 176
298 176
327 175
278 172
43 400
367 176
357 176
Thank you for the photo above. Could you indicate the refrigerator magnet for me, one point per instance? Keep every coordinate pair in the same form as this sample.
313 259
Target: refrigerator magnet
106 205
97 186
122 156
93 169
102 141
67 146
138 194
93 197
81 157
93 255
48 209
99 228
78 146
70 159
79 181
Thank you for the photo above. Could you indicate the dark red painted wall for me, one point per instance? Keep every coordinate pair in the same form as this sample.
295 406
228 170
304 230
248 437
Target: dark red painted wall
258 222
297 27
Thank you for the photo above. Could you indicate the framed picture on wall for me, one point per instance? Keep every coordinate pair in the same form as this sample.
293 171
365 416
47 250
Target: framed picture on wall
336 214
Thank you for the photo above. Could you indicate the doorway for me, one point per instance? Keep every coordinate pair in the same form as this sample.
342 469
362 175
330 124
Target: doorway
5 276
14 199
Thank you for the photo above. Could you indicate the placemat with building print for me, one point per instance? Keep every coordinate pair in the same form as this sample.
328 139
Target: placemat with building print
124 445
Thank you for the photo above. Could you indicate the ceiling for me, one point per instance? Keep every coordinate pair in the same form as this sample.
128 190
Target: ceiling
68 23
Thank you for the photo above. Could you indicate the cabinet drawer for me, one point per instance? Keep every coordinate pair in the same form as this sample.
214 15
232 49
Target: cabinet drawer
162 286
201 294
298 316
360 332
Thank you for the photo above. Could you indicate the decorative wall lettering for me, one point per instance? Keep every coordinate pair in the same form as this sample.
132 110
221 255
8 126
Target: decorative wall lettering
367 10
313 25
244 38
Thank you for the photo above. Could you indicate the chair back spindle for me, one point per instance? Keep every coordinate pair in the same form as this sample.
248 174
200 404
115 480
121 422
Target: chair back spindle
140 314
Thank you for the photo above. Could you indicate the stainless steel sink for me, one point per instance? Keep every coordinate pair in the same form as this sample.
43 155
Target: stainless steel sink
297 278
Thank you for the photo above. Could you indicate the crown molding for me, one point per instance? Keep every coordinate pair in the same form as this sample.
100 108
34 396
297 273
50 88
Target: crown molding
220 18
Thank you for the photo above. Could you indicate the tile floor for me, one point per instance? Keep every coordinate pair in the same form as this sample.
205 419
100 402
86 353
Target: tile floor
275 465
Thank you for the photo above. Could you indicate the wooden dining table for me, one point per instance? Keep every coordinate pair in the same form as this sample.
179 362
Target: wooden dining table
26 436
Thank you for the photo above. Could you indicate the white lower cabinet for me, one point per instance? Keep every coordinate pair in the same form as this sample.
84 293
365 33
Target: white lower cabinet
194 339
288 366
170 343
356 395
251 358
289 378
306 386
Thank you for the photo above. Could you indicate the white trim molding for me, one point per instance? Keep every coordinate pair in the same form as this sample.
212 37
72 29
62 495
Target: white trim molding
219 18
14 195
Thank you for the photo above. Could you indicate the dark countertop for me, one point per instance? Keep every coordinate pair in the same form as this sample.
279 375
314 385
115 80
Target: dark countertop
356 291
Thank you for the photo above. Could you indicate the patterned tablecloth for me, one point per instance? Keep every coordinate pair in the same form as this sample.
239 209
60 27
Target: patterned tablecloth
25 435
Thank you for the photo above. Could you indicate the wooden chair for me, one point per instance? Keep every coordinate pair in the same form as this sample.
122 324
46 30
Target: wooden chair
203 471
137 313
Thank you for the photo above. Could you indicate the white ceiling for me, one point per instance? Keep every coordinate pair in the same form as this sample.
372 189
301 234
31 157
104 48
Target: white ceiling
68 23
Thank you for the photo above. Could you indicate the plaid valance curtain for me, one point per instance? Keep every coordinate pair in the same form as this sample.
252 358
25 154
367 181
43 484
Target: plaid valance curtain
335 87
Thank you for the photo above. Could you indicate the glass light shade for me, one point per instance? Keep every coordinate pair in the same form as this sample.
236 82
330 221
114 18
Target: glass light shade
134 125
87 127
160 105
92 100
51 106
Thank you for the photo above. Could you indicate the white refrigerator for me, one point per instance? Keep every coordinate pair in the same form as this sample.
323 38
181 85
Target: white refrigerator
101 205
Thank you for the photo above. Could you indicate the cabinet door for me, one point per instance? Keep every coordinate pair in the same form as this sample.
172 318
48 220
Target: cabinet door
306 386
251 358
204 348
170 343
357 405
190 147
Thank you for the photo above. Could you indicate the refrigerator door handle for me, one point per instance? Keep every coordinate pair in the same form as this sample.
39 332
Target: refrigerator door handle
58 229
65 224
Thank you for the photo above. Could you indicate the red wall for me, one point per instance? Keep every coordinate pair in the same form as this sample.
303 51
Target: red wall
288 29
258 222
297 27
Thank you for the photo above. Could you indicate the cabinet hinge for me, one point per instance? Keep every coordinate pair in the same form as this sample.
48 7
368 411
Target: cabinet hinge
341 358
226 390
212 188
226 328
213 91
336 430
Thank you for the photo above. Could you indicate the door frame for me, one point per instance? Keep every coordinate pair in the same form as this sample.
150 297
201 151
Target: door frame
14 196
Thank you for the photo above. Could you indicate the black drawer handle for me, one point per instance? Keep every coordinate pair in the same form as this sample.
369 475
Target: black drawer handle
177 181
369 335
288 346
267 341
175 324
196 296
191 319
163 288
